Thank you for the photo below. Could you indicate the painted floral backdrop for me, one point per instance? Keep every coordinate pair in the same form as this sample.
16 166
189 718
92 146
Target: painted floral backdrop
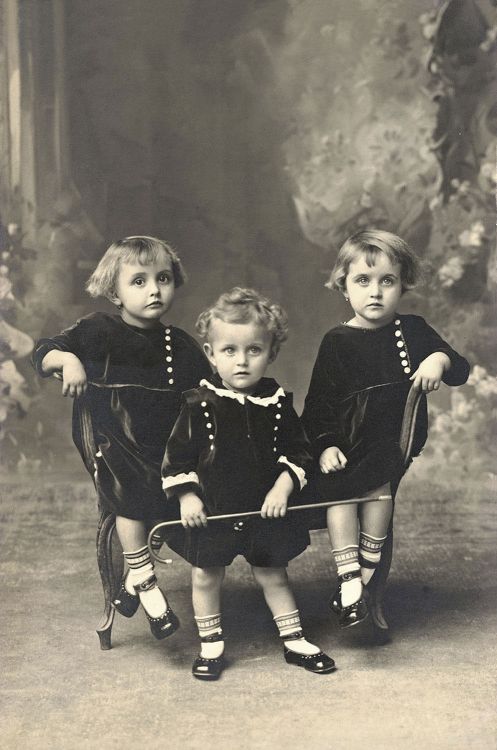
315 118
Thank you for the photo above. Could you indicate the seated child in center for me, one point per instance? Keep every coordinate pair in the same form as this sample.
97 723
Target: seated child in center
237 447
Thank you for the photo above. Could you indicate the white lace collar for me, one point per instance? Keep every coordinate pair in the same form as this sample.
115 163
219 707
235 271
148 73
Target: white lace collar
240 397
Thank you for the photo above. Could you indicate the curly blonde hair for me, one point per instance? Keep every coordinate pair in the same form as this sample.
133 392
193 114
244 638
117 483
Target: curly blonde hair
241 305
370 243
136 249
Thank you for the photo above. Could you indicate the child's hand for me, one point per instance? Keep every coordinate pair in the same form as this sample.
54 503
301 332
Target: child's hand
274 504
332 459
276 500
74 382
192 511
429 373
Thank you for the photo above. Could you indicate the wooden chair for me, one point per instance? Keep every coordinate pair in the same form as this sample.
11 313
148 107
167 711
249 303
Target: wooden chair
109 553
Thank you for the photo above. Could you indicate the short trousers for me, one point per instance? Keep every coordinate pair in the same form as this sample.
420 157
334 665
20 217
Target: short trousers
263 542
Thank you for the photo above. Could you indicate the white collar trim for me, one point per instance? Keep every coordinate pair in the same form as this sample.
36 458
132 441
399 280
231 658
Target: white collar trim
267 401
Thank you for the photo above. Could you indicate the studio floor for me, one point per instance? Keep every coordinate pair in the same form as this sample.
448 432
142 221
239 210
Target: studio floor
432 686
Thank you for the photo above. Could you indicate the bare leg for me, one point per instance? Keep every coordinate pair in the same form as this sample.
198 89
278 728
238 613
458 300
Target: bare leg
131 533
376 521
342 525
206 599
375 517
281 601
133 537
206 590
343 531
276 589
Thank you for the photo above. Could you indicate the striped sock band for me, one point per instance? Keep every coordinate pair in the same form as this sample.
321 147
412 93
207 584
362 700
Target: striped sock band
288 623
140 569
210 625
347 559
139 564
370 550
156 541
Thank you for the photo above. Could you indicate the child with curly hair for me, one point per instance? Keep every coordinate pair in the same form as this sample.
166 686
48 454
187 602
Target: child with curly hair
237 447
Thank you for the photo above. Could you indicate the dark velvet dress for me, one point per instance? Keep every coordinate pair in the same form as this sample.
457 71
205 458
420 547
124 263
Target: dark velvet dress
356 401
229 449
121 425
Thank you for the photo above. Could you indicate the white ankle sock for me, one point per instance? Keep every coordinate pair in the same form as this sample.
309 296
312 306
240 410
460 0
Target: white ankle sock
301 646
141 568
351 591
369 553
347 561
210 625
289 624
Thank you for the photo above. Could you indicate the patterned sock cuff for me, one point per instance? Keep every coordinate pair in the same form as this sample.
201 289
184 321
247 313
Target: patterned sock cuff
347 559
209 625
288 623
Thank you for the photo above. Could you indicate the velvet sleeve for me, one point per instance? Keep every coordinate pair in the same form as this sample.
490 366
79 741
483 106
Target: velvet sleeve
294 455
179 467
320 417
80 339
458 372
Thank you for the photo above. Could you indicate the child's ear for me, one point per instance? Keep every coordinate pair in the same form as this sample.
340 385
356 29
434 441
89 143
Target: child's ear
209 353
112 297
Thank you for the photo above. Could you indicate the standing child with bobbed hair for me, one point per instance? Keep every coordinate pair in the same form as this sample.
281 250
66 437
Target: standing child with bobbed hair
355 403
126 373
237 447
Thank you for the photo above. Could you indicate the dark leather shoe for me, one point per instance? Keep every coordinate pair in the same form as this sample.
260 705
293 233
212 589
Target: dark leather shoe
208 669
164 625
336 601
126 603
354 614
319 663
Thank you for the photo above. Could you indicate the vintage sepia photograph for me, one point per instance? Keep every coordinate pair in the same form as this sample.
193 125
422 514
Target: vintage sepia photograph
248 374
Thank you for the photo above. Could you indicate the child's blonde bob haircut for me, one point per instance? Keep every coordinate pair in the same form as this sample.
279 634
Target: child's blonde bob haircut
369 243
136 249
246 306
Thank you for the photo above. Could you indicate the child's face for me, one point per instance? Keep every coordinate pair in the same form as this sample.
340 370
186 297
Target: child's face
373 291
145 292
240 352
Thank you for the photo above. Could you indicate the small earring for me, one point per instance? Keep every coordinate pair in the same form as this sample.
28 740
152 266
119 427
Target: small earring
346 297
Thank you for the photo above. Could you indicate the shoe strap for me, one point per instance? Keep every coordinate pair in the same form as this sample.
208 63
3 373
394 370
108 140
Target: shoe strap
349 576
146 585
295 636
214 638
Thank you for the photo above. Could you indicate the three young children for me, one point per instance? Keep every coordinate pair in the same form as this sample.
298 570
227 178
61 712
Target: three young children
233 443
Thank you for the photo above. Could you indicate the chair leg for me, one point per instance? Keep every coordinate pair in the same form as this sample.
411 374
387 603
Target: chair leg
379 583
110 573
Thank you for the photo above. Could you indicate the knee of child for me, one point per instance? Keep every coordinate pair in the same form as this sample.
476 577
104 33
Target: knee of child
270 576
206 578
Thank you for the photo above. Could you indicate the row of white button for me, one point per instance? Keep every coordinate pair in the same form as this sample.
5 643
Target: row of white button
402 346
208 424
169 356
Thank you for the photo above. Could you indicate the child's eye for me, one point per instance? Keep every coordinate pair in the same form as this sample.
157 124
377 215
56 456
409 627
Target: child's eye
255 350
229 350
363 280
138 282
388 281
165 278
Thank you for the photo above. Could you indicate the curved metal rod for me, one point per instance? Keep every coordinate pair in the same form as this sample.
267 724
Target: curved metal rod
230 516
405 443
